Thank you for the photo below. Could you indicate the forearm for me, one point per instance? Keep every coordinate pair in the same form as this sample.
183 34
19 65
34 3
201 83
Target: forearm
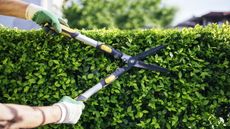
27 116
5 113
51 114
67 110
14 8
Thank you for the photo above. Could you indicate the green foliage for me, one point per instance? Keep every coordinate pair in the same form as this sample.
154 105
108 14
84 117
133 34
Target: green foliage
38 69
122 14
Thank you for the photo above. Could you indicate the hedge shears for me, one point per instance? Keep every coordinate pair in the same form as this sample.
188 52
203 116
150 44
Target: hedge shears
131 61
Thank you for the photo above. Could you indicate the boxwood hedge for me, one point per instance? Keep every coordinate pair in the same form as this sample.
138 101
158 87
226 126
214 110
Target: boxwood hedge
38 69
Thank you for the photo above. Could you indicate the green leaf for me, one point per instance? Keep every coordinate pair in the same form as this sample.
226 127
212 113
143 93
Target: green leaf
26 89
90 76
31 81
174 120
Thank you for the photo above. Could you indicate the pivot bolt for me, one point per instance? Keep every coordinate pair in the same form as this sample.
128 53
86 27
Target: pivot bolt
132 61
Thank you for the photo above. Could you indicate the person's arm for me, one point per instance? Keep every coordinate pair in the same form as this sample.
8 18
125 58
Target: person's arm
32 12
22 116
14 8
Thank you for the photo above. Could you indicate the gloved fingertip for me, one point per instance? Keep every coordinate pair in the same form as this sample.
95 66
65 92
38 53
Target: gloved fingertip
59 30
83 106
57 27
63 22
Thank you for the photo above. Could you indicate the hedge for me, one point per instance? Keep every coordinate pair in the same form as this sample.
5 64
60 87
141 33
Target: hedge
38 69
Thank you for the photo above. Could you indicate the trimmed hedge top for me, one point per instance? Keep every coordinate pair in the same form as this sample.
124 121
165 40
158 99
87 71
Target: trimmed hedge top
38 69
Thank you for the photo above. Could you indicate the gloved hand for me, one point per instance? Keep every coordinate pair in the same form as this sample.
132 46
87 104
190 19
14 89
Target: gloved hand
71 110
42 16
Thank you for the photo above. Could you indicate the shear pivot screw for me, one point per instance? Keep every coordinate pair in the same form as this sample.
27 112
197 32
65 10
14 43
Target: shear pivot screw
132 61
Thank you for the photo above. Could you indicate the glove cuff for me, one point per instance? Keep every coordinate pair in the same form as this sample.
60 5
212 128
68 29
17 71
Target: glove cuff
31 10
70 113
63 112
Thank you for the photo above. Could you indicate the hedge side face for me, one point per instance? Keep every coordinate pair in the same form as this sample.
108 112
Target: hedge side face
38 69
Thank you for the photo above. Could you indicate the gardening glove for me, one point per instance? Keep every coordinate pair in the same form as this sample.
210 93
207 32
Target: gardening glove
42 16
71 110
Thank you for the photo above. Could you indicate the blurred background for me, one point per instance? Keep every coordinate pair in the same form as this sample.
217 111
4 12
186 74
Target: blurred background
130 14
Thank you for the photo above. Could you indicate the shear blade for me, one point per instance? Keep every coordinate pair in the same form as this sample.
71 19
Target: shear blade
148 52
154 67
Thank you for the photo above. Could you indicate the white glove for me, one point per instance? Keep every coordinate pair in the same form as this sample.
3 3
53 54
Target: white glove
71 110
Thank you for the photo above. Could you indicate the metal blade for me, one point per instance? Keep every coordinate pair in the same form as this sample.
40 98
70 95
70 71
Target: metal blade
148 52
154 67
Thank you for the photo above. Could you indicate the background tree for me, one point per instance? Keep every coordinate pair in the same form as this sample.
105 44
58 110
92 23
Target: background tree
122 14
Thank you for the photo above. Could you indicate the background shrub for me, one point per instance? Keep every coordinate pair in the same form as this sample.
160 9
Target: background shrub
122 14
38 69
